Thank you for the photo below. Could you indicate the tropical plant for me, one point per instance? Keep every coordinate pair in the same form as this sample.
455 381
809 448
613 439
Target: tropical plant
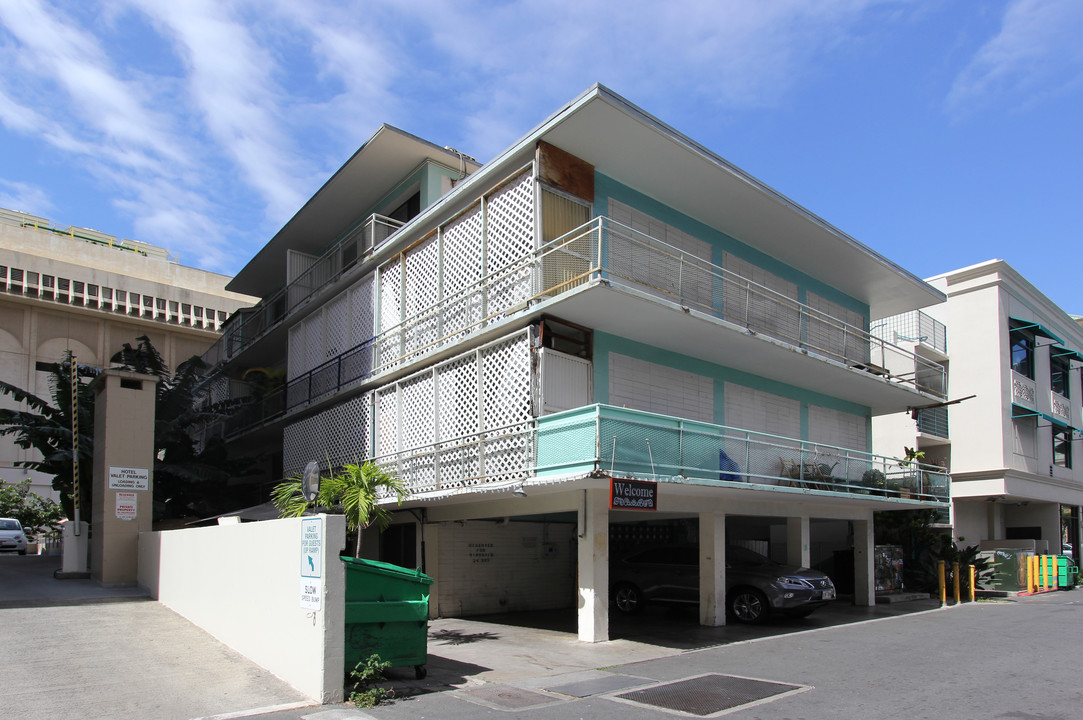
45 426
354 489
37 515
189 478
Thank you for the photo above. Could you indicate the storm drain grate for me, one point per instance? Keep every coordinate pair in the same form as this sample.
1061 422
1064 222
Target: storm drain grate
709 694
505 697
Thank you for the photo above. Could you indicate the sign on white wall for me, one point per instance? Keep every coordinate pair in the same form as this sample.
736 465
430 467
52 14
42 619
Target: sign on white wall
128 478
312 563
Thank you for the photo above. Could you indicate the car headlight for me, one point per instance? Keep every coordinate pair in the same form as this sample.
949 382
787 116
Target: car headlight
794 581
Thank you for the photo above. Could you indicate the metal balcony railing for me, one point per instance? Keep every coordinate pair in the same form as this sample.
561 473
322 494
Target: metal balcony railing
643 445
933 421
604 249
250 324
915 326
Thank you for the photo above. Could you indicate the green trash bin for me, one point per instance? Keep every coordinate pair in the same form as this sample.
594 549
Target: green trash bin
387 614
1067 572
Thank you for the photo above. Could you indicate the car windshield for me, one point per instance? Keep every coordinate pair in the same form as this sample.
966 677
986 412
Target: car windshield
743 557
10 525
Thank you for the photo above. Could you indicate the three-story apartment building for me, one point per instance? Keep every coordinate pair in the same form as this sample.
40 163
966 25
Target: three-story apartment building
605 337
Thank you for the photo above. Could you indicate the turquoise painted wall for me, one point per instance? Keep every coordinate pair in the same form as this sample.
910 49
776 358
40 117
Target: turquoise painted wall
606 187
606 343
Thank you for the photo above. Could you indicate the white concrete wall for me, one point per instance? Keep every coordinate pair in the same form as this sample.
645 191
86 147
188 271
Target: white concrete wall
242 583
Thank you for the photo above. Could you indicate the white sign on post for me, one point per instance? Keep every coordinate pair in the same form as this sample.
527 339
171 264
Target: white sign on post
126 478
311 563
126 505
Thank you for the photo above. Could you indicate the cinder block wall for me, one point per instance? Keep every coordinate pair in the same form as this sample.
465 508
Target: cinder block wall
488 567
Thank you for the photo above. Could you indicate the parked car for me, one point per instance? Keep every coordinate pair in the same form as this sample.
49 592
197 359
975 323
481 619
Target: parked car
12 536
756 586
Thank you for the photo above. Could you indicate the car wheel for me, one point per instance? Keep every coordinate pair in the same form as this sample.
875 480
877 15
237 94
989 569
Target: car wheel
628 598
22 552
748 605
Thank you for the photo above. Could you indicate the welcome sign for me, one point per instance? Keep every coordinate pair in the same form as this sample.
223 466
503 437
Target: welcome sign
627 494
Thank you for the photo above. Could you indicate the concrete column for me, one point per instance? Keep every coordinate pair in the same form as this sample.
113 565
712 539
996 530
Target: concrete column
593 601
123 473
432 566
864 574
797 541
712 569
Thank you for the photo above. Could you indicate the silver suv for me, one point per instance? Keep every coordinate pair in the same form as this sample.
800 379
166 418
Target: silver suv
755 585
12 536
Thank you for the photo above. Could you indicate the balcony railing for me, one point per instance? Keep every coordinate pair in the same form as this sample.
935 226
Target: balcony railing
251 324
915 326
631 443
933 421
604 249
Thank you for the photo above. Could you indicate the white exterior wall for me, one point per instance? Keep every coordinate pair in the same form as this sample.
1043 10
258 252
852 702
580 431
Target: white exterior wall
488 567
241 583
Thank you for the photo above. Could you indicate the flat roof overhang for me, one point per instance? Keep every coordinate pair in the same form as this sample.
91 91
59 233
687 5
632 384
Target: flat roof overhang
655 321
624 142
383 162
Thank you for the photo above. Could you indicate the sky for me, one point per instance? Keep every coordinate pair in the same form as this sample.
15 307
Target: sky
940 133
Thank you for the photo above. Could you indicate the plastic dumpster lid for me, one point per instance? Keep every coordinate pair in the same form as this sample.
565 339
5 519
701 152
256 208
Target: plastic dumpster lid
382 568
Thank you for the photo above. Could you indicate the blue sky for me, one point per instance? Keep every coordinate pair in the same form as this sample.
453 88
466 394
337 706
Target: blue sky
940 133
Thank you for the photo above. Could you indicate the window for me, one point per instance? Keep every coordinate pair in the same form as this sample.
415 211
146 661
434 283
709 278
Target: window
1022 351
1058 375
1062 446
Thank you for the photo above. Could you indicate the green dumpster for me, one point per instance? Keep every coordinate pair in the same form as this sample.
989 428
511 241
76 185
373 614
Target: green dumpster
387 614
1067 572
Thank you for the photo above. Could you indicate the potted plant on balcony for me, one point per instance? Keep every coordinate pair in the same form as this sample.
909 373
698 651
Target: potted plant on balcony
912 457
875 480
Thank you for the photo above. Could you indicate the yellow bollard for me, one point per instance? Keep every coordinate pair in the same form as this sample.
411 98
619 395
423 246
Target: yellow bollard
1044 560
940 565
973 579
1032 569
955 582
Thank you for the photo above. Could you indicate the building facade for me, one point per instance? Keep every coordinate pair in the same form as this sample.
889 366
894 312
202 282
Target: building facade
1012 439
605 301
74 289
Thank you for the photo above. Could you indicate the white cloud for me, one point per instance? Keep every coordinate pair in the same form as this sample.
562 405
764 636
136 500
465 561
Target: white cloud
515 57
1037 52
23 197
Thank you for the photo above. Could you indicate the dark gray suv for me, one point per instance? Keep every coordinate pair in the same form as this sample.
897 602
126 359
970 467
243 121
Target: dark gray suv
755 585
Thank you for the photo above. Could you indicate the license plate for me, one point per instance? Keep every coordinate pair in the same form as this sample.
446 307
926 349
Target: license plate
829 594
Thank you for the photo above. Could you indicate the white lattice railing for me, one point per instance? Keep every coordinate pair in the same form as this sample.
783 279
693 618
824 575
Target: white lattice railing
643 445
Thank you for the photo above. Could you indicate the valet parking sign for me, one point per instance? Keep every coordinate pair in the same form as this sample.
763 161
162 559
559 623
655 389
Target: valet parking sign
626 494
312 563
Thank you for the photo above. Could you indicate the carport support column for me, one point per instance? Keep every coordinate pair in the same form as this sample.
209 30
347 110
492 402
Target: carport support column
593 601
797 541
864 575
712 569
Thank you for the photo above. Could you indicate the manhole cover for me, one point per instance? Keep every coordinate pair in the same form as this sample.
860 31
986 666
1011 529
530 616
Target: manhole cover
505 697
709 694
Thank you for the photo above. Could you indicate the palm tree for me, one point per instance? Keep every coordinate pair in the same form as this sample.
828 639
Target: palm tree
45 425
357 489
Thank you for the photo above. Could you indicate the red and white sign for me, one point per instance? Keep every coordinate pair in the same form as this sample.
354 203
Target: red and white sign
126 505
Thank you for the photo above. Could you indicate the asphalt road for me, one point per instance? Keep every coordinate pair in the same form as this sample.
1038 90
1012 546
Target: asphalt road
1008 659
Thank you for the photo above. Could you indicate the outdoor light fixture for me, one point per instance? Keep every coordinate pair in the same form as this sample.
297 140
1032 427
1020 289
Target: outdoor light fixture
519 491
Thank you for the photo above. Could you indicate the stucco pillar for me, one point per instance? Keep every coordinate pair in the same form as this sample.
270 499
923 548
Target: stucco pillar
797 541
864 574
712 569
123 473
432 565
593 600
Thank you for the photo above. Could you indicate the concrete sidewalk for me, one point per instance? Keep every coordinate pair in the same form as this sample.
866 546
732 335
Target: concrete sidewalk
74 649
